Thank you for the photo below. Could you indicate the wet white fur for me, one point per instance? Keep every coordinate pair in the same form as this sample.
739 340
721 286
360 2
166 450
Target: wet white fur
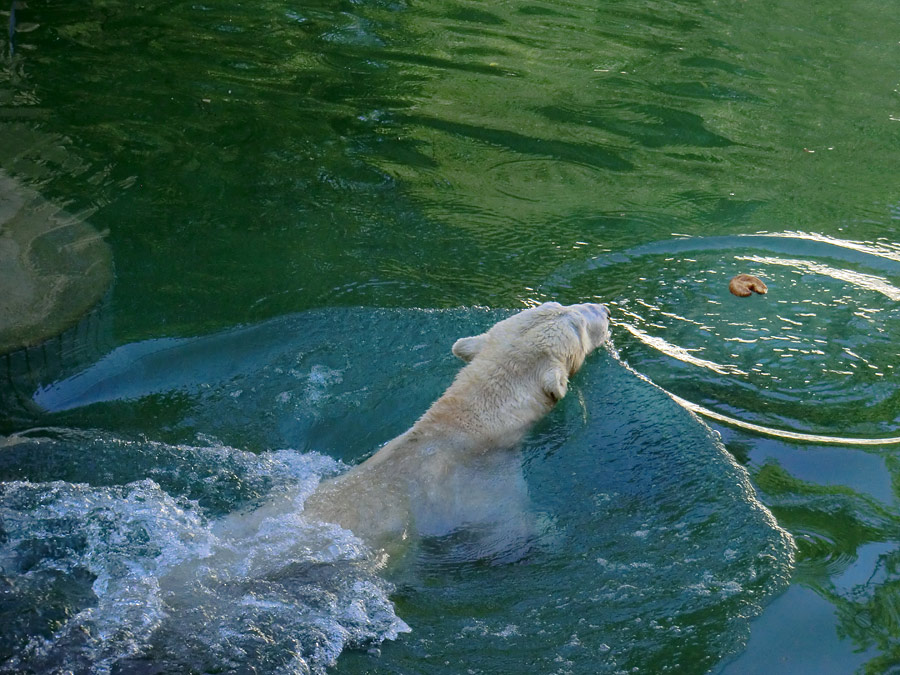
456 467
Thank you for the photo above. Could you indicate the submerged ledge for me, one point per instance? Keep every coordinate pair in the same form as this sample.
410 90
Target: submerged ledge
54 267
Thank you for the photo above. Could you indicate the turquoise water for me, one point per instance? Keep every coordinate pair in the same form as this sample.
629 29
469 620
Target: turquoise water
307 204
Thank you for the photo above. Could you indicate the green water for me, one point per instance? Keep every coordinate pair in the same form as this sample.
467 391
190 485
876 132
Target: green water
283 162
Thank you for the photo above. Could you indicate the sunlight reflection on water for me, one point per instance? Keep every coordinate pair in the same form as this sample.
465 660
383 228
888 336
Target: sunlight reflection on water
789 363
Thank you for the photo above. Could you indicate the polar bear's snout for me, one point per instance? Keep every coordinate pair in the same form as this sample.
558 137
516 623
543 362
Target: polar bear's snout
593 309
597 318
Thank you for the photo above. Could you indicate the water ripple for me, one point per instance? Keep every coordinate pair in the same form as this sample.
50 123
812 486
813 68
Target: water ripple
813 360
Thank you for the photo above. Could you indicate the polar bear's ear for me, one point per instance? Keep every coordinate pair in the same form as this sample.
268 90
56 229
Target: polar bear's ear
466 348
555 382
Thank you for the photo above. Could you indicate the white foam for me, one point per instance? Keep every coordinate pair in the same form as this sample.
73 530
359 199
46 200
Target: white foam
260 586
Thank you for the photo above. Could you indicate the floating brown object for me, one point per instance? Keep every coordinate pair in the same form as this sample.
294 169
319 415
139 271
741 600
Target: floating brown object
743 284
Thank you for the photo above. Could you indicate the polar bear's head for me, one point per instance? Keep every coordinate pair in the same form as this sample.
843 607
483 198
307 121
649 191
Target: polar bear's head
546 344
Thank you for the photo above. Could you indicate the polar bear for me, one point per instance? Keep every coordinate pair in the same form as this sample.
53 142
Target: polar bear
456 467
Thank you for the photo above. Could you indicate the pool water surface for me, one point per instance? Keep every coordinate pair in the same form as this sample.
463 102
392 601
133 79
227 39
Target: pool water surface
305 205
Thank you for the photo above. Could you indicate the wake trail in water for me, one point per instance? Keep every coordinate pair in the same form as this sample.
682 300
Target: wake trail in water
130 574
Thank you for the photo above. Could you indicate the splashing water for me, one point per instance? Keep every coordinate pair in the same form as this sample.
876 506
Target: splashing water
130 574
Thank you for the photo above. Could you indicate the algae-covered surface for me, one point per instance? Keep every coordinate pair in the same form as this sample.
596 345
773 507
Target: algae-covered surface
54 267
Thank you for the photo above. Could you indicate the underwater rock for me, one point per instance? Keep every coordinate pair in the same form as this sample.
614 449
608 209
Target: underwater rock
54 267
